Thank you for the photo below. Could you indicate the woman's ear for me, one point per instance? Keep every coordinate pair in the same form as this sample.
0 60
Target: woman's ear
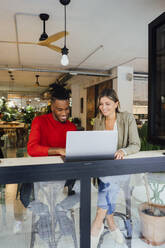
116 104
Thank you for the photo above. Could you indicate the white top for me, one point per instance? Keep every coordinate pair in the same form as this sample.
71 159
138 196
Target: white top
115 128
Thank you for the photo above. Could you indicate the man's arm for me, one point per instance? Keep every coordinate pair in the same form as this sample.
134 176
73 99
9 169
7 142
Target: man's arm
34 148
56 151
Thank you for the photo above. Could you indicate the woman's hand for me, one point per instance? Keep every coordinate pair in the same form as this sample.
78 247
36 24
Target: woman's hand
119 154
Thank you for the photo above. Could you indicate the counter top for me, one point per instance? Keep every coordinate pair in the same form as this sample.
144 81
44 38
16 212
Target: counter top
147 154
30 161
58 159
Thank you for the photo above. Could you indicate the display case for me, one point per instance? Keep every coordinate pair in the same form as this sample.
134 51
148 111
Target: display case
156 84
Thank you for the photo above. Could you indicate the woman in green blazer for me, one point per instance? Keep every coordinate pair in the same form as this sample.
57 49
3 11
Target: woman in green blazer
110 118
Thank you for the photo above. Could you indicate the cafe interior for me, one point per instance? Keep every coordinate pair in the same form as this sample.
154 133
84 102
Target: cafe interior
85 46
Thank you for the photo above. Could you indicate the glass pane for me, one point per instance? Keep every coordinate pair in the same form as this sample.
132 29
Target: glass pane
133 204
160 79
39 215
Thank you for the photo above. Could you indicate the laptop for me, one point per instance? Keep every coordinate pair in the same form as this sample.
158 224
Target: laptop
90 145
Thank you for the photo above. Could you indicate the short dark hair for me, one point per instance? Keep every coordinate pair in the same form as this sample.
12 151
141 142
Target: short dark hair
58 92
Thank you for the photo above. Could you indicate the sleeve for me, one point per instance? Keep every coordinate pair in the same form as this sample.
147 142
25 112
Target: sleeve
74 128
133 137
34 148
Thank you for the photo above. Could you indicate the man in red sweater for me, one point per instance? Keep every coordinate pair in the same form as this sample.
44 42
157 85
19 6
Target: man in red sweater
48 132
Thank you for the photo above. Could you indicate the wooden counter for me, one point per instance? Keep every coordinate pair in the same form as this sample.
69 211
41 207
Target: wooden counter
11 125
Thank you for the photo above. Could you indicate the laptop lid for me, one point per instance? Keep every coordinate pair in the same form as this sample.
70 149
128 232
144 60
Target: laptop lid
90 145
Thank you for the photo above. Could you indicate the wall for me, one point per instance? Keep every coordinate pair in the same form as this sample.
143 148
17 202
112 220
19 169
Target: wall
121 83
78 92
75 88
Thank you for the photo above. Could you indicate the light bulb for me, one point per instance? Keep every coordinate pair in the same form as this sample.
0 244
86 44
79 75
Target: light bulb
64 60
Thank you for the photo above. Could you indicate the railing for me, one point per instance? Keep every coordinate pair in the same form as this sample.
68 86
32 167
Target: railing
83 171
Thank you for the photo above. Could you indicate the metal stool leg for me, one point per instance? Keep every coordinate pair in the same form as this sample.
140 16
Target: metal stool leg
33 231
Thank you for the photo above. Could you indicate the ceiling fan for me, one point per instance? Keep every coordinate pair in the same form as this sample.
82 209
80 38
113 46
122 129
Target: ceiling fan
44 40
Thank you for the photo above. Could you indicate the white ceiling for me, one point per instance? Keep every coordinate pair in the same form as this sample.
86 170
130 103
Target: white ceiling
102 34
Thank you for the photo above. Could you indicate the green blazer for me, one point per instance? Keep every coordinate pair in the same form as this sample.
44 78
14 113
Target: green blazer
128 137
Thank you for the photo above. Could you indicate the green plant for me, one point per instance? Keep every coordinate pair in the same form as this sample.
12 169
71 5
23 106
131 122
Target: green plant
76 121
48 109
7 113
28 115
92 121
3 105
145 145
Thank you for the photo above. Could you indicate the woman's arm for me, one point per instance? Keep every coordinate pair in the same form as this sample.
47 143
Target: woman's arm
133 137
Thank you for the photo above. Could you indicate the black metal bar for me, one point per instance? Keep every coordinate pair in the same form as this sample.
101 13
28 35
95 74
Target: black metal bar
65 25
78 170
44 26
85 212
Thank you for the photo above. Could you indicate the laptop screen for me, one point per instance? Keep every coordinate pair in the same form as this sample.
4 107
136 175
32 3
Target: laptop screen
90 145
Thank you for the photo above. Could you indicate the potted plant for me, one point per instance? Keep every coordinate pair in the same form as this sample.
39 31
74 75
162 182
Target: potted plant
152 218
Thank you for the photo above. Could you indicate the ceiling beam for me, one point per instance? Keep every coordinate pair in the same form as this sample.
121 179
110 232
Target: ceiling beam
71 72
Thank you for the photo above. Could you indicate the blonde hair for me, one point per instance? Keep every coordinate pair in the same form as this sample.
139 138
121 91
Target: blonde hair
111 94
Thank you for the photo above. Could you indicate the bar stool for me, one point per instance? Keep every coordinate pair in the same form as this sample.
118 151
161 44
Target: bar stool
53 222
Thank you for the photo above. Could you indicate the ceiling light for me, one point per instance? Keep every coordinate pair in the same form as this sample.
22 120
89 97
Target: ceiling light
64 2
64 50
37 82
64 59
10 70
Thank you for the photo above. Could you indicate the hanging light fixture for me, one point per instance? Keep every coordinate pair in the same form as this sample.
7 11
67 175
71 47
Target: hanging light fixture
64 50
37 82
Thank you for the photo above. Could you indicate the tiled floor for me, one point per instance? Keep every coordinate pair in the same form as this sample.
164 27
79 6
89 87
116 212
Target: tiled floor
44 210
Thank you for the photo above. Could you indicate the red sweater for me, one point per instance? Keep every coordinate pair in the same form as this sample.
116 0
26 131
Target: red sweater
46 133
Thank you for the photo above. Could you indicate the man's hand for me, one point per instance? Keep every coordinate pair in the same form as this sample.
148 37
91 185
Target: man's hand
119 154
56 151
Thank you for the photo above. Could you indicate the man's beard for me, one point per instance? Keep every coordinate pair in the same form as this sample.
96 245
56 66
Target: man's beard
57 119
